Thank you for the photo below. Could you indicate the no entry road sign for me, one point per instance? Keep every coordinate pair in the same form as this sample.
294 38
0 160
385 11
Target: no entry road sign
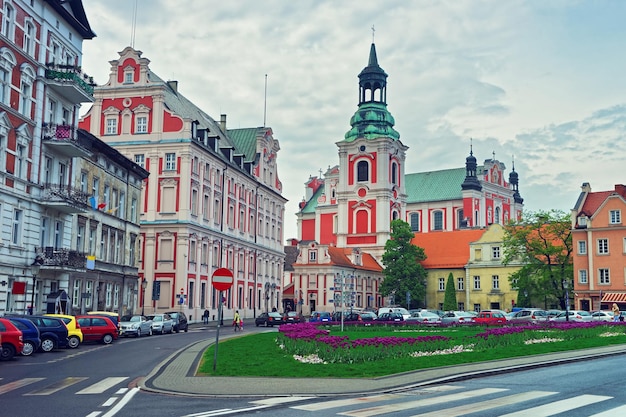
222 279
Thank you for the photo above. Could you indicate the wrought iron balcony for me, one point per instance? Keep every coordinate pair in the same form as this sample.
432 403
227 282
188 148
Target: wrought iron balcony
71 82
64 139
65 198
50 256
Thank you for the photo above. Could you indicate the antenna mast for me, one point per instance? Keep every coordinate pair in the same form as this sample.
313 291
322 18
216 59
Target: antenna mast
265 102
133 26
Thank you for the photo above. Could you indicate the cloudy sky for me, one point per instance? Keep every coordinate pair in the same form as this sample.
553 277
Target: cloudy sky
540 82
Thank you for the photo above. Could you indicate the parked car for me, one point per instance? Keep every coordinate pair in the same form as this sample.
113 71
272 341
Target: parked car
270 319
367 316
136 325
30 334
602 316
553 313
52 330
291 317
529 316
162 323
11 340
456 318
320 316
98 328
490 317
179 320
424 317
574 315
390 318
405 313
115 317
74 334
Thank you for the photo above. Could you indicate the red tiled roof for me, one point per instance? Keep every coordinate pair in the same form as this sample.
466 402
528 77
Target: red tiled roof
289 290
593 202
447 249
339 257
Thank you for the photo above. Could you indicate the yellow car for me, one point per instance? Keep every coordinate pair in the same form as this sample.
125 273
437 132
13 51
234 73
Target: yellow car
74 334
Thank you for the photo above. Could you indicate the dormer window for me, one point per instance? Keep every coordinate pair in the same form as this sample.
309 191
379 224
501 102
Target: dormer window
129 75
582 221
312 255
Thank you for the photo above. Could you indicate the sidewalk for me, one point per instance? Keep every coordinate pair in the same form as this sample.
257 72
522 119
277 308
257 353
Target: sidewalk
175 375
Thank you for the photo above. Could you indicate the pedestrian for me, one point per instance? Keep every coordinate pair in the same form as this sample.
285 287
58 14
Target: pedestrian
205 317
237 321
615 309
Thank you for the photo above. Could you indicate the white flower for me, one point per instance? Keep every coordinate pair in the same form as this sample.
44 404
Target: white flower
544 340
309 359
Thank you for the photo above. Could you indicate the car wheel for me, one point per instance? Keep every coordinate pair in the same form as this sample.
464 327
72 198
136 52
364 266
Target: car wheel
47 345
7 353
257 324
73 342
107 339
138 332
177 330
186 329
28 348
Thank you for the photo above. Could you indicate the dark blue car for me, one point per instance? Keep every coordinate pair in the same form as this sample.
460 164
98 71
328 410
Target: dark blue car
52 330
30 334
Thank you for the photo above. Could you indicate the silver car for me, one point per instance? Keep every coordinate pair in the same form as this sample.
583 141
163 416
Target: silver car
529 316
424 317
162 323
136 325
456 318
574 315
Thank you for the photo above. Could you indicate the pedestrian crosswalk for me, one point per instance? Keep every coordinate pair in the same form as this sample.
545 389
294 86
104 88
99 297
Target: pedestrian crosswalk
456 400
49 386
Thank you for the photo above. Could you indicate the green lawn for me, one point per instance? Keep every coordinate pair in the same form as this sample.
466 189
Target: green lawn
260 355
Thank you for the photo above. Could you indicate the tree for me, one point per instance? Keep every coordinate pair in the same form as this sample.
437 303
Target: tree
449 299
542 243
403 271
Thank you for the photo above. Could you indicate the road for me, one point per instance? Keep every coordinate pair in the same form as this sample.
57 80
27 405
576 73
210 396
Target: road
100 381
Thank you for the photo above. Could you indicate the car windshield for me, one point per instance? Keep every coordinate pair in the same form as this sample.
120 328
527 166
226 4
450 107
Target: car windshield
173 315
131 318
157 318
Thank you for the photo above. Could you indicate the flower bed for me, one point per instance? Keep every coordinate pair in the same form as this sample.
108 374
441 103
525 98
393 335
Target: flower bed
316 343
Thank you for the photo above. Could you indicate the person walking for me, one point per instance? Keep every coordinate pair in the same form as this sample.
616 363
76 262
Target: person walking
205 316
615 309
237 321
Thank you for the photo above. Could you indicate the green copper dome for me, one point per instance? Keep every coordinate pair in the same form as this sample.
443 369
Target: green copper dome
372 120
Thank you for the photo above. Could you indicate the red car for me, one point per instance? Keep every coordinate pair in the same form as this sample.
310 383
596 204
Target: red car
490 318
12 343
98 328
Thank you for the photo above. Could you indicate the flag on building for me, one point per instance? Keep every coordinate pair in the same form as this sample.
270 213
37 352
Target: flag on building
18 288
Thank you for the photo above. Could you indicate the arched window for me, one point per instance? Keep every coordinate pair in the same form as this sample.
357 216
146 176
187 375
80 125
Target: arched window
496 218
362 171
7 62
26 90
414 219
8 21
394 215
459 219
438 220
29 39
394 173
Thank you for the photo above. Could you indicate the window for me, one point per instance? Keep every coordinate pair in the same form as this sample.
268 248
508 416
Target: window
495 252
128 76
194 202
111 128
442 284
140 160
582 247
26 91
133 210
582 221
20 161
582 276
394 173
477 308
89 291
615 217
109 294
460 284
603 246
8 21
142 124
16 230
7 62
29 39
312 256
362 171
80 236
170 161
476 282
76 294
437 220
495 282
414 218
603 276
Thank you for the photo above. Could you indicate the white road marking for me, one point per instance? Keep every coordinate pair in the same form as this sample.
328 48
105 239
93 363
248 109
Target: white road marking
57 386
18 384
103 385
559 406
109 402
125 400
618 411
347 402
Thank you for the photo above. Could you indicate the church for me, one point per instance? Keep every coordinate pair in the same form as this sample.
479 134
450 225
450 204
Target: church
344 218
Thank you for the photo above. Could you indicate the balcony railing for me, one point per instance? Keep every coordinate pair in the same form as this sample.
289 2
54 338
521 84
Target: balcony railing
70 74
74 200
64 139
53 257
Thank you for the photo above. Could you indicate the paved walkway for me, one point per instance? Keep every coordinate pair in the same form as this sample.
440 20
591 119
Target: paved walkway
176 375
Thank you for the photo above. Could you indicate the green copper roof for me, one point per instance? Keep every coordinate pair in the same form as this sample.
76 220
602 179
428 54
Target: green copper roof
244 141
371 121
312 203
435 185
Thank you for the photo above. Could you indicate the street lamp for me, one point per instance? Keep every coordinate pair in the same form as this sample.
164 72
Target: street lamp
144 284
34 269
566 287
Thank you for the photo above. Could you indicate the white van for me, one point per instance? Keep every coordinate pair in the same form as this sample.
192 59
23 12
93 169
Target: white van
405 313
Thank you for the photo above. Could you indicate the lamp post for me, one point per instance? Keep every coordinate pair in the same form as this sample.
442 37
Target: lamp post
144 284
34 269
566 287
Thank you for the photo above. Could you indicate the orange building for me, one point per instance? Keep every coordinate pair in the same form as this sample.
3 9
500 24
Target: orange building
599 239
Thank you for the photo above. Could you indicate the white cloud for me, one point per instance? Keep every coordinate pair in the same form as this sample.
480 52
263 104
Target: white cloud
541 81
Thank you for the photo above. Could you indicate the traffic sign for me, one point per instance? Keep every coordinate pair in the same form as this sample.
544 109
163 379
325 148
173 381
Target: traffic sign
222 279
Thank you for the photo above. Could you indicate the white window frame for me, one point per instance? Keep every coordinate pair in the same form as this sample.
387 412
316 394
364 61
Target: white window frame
460 283
27 82
7 64
111 126
29 38
8 21
615 217
140 159
141 124
170 161
583 277
603 246
312 255
16 229
442 284
437 216
495 282
582 247
604 276
495 252
477 282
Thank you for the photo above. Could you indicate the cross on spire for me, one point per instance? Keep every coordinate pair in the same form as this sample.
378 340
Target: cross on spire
373 33
494 155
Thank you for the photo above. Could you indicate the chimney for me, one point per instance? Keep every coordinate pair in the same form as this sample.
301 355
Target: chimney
586 187
173 85
223 122
620 189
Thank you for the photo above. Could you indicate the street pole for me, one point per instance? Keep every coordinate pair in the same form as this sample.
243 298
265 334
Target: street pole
217 333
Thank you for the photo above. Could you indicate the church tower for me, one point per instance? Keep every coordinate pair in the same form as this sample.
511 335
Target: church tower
371 191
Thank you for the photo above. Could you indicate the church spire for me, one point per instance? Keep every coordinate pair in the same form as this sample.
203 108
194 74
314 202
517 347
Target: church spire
471 179
372 119
514 181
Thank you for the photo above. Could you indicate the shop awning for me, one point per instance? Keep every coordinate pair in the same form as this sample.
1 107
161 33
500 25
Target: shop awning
288 292
614 297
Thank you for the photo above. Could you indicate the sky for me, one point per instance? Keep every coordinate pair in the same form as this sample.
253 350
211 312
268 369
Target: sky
538 83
